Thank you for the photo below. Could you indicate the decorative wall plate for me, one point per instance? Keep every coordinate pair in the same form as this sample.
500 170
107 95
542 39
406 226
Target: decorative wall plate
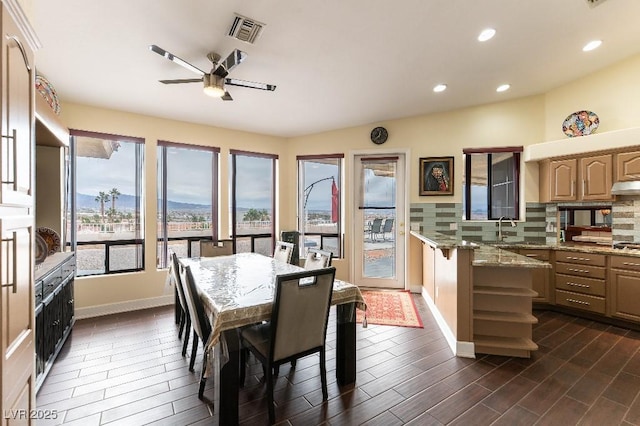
580 123
51 237
41 249
45 88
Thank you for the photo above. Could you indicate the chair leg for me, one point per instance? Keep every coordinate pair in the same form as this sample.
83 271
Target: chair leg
323 375
194 349
187 332
293 363
272 410
182 324
203 380
243 365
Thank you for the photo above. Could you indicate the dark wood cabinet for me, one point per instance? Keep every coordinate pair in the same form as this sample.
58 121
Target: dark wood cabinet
55 311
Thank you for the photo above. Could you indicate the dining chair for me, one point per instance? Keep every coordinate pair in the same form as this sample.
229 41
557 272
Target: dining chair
209 248
200 323
298 326
185 317
283 251
317 259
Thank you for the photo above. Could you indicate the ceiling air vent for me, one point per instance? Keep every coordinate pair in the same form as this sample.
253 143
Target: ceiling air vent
245 29
594 3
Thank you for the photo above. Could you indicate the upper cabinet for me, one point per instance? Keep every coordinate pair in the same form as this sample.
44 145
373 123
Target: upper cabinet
628 166
577 179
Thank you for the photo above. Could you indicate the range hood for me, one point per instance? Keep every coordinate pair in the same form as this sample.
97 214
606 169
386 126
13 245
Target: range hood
631 187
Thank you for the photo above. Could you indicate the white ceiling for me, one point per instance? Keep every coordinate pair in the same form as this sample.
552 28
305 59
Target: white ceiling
336 63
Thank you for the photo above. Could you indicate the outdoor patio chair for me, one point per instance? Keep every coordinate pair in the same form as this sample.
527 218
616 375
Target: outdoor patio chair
376 228
387 228
298 326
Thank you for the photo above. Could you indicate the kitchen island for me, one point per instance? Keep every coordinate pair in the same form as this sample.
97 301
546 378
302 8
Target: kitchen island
480 295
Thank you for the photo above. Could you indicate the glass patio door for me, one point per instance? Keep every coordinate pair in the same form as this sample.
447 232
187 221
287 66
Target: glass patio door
379 221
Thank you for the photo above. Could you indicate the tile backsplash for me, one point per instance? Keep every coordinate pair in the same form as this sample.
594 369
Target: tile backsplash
539 224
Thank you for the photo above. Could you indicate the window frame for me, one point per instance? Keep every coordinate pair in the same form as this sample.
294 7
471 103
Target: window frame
139 183
468 153
302 194
161 179
233 154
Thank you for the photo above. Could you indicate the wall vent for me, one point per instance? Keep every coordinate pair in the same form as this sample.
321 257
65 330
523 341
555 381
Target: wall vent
594 3
245 29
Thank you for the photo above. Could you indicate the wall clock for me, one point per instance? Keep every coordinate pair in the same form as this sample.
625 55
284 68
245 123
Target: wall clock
379 135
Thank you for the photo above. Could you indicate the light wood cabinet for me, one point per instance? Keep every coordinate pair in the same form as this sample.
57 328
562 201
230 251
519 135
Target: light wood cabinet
580 281
624 282
577 179
540 277
627 166
16 219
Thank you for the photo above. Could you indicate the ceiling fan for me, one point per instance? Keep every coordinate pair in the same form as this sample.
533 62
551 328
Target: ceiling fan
215 80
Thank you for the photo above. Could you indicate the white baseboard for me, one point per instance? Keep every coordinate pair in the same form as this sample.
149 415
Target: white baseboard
461 349
130 305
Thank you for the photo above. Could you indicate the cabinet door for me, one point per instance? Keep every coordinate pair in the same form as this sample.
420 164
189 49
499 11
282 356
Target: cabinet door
625 293
596 177
540 277
628 166
16 152
562 180
17 312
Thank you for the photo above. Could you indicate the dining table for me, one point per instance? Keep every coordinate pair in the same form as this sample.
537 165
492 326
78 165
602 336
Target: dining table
238 290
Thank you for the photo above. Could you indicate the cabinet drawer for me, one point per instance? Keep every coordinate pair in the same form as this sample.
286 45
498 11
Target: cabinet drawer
50 282
39 294
580 270
68 267
581 285
535 254
625 262
580 301
581 258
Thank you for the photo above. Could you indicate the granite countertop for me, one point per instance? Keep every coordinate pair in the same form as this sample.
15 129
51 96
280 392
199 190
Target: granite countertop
441 241
495 256
578 248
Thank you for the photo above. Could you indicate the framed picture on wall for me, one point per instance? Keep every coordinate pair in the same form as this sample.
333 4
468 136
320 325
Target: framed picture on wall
436 176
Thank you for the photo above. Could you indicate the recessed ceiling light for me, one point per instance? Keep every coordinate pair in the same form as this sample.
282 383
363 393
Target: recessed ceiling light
594 44
486 34
439 88
503 88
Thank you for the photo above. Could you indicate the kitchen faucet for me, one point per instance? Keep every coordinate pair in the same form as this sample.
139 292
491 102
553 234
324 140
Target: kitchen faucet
513 225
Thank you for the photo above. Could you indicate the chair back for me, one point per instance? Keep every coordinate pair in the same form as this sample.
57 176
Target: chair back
388 225
174 270
283 251
199 320
210 248
300 312
317 259
376 226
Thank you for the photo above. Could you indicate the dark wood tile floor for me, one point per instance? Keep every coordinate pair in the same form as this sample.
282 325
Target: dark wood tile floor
127 369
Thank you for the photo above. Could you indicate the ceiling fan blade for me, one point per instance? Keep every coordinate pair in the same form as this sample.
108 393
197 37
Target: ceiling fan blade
250 84
160 51
226 96
182 80
234 59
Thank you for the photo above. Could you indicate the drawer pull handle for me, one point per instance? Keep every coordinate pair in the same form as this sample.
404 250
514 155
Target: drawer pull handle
630 264
579 302
584 271
531 255
579 285
583 259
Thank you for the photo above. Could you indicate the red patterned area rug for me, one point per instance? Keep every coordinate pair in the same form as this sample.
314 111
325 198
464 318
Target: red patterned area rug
390 308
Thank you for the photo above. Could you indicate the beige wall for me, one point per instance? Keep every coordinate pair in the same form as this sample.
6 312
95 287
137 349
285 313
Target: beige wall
614 94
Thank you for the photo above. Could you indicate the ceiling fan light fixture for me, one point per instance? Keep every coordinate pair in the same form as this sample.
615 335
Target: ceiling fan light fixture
213 85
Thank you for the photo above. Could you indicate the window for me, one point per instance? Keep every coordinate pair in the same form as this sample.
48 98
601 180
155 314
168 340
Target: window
187 199
319 189
491 183
253 201
106 226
